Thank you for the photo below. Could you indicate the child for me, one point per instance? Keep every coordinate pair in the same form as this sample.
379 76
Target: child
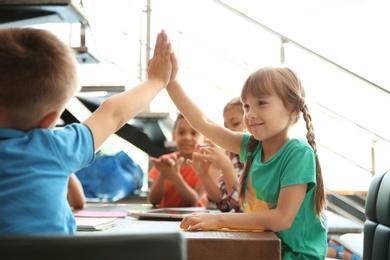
225 194
174 182
38 76
281 173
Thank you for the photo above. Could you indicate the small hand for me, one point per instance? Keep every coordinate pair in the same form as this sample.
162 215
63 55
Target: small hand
175 67
160 66
168 167
200 165
214 154
200 221
175 70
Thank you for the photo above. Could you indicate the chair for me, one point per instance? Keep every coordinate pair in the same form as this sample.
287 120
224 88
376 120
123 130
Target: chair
376 241
98 247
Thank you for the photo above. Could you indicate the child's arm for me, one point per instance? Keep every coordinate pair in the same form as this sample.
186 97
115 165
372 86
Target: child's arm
156 192
206 173
219 159
278 219
114 112
75 194
157 187
171 172
220 135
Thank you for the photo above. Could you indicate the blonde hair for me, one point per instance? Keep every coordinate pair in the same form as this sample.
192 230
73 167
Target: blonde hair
37 73
285 83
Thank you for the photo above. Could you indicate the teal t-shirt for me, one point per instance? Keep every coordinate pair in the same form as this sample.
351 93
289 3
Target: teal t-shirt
293 164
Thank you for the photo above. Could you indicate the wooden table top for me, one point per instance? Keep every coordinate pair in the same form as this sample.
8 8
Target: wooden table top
201 245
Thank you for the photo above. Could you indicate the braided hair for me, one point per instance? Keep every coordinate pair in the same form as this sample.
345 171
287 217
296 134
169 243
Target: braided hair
285 83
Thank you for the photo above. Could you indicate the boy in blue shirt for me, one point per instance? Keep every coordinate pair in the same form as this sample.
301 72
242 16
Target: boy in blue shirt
38 76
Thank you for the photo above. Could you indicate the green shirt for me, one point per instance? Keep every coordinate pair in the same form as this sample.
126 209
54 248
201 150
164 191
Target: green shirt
293 164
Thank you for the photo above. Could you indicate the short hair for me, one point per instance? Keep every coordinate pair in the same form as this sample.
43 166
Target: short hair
235 102
178 117
38 73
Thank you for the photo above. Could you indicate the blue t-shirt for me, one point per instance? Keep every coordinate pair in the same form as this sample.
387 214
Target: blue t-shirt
293 164
34 170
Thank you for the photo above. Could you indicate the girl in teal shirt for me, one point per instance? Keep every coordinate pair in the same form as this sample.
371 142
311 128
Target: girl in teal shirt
281 188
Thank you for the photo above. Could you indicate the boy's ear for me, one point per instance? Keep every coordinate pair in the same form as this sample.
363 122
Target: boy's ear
49 120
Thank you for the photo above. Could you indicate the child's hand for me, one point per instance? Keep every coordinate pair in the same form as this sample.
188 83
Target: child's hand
175 70
175 67
169 168
201 221
200 165
214 154
160 66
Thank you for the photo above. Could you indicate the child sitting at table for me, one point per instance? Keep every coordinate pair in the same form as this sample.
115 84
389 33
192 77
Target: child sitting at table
174 183
281 187
225 194
38 76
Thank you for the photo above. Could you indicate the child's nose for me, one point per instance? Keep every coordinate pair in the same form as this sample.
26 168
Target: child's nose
251 114
188 136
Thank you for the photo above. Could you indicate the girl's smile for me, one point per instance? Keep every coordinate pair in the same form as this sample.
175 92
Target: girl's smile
253 125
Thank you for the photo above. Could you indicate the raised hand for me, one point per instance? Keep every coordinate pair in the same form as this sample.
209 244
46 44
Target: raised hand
160 65
175 67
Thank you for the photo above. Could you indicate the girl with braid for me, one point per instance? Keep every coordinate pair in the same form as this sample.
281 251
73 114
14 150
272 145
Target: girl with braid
281 188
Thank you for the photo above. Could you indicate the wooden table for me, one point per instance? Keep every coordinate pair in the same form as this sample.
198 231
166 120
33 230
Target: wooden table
201 245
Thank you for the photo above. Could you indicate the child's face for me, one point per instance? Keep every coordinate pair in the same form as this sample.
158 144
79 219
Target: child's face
233 119
186 137
266 117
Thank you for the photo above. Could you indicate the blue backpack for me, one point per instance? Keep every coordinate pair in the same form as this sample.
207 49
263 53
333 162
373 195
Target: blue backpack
110 177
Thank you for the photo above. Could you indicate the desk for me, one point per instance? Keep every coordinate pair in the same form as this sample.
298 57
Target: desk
340 225
201 245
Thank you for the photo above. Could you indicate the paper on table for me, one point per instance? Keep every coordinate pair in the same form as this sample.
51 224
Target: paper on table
100 214
227 229
240 230
90 224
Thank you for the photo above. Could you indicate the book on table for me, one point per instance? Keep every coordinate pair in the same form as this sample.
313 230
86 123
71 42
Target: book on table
94 224
100 214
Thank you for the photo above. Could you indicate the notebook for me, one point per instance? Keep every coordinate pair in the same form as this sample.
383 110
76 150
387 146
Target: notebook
94 224
166 213
100 214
